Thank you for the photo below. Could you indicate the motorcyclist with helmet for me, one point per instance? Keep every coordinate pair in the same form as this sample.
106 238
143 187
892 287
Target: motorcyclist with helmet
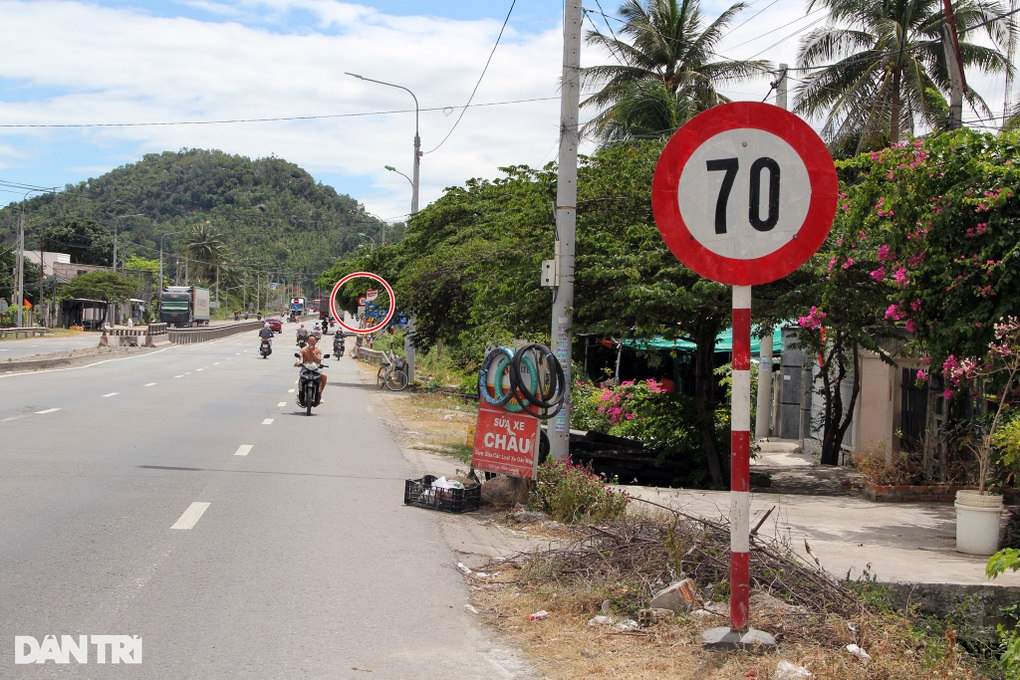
339 342
302 335
266 333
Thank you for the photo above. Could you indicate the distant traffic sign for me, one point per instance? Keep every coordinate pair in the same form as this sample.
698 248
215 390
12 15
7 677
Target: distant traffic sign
744 193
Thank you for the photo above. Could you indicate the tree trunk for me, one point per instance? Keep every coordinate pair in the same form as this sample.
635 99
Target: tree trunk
837 422
935 453
895 111
704 401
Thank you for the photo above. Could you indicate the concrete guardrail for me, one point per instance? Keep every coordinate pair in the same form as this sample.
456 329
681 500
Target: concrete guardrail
183 336
19 331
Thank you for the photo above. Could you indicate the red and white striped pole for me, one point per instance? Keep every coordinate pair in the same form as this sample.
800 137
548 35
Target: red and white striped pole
740 463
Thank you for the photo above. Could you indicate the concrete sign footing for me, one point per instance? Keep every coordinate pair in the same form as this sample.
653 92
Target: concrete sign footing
727 638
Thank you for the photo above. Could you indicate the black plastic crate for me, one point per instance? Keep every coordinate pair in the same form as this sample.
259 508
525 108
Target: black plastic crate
420 492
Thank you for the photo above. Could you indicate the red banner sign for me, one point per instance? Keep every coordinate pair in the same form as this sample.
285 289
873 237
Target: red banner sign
505 442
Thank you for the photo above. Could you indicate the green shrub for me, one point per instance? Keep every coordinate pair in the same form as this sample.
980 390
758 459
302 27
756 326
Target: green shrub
571 493
666 424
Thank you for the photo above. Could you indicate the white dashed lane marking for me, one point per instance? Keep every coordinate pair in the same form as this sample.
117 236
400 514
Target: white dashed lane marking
148 384
281 404
267 421
111 394
244 449
49 410
191 516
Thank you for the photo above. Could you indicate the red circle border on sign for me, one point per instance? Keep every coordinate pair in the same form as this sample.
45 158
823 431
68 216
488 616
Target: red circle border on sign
821 208
374 277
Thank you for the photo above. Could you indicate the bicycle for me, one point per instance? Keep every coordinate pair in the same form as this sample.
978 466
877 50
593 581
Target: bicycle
392 374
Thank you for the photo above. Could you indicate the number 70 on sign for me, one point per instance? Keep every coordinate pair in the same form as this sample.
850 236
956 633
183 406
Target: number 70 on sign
744 193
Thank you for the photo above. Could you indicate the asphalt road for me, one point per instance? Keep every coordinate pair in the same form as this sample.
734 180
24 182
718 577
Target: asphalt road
182 497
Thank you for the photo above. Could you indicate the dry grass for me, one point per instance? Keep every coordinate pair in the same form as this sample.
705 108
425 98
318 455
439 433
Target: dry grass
565 645
619 566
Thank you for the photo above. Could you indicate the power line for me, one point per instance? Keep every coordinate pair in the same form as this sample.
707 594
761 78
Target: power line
276 119
480 77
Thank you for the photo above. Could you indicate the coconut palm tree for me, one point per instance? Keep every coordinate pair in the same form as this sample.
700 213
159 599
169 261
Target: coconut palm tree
881 66
205 248
1012 122
664 75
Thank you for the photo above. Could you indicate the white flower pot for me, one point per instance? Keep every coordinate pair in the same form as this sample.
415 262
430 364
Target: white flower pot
978 520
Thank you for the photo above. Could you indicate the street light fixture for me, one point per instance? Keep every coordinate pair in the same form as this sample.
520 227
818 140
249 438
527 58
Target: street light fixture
374 244
393 169
417 139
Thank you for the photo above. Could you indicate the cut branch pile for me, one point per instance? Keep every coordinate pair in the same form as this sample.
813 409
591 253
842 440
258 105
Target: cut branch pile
657 552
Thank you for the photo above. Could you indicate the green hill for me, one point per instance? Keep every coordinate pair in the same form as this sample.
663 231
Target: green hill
272 216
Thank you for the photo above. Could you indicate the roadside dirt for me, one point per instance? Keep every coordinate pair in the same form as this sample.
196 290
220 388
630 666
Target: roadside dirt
566 645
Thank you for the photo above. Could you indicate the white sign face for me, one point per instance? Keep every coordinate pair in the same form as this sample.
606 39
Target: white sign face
744 193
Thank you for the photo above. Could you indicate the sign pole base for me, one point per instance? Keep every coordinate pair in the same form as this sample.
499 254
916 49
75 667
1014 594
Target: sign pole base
727 638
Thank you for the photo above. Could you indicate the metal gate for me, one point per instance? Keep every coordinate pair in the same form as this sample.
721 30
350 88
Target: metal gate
913 411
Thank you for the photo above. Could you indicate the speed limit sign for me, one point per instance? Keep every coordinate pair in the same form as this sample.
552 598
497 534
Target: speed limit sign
744 193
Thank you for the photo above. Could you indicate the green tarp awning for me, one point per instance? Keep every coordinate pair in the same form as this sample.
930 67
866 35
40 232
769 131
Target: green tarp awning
723 343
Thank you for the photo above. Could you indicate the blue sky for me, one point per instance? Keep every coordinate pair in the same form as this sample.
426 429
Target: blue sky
81 84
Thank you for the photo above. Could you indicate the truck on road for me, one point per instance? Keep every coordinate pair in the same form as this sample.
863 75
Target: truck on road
184 306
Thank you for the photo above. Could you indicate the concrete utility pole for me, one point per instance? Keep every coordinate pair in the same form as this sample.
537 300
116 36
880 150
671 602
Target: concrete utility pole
566 220
763 409
954 65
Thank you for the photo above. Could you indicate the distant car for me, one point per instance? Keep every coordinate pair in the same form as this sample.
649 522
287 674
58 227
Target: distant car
275 324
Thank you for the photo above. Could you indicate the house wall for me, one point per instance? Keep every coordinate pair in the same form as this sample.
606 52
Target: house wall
876 412
879 410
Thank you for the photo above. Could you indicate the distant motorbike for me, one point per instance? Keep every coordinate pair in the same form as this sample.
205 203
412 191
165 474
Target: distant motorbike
265 348
309 384
339 343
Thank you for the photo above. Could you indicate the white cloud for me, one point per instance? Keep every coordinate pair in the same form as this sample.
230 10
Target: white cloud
100 65
70 62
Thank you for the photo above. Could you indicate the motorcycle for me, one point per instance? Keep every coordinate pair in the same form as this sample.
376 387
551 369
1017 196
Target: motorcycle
309 384
338 345
265 348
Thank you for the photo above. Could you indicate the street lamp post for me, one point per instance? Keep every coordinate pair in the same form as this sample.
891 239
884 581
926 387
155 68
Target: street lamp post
116 232
417 139
169 233
19 298
374 244
415 179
